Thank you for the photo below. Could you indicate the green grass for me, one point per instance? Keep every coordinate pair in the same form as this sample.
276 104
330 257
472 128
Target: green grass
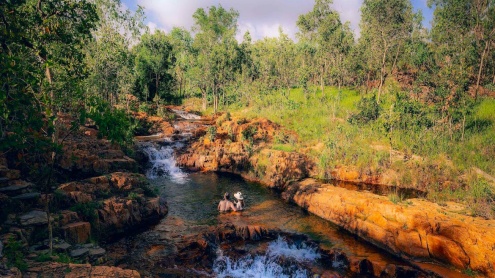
423 155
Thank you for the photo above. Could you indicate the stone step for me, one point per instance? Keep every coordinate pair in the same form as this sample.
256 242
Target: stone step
79 252
35 217
27 196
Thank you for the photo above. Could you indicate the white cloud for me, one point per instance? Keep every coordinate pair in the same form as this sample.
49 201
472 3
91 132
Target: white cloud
261 17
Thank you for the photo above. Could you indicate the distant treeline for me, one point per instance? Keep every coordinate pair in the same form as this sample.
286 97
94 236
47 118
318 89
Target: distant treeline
91 57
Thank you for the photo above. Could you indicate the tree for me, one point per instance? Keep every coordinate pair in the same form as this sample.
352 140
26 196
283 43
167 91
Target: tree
109 59
153 60
332 40
216 46
49 36
182 56
385 24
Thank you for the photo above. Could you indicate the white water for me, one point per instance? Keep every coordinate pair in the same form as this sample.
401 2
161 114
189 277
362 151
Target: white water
267 265
163 163
185 115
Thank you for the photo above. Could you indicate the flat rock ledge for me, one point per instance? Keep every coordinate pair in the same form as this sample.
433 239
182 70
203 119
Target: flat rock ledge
414 229
78 270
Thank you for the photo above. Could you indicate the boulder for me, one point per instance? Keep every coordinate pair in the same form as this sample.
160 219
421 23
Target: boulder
97 252
419 229
28 196
77 253
78 232
35 217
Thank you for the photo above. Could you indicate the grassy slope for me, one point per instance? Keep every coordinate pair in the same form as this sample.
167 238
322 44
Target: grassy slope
428 160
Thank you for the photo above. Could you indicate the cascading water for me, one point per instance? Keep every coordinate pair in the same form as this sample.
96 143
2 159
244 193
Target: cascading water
163 163
185 115
282 259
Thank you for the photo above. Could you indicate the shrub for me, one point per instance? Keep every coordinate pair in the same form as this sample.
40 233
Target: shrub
115 124
249 132
369 110
15 255
211 132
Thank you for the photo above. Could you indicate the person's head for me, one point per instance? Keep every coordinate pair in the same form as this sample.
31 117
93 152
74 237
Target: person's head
239 196
226 196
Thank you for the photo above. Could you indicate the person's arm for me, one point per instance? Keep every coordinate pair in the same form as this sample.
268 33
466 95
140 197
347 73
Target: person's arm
232 206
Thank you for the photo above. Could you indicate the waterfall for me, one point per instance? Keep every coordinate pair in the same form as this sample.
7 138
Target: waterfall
271 264
163 163
185 115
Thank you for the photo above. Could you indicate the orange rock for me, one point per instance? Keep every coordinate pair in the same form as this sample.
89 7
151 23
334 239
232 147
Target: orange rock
422 230
77 232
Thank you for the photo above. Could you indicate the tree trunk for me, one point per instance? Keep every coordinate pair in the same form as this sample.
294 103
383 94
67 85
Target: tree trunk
395 62
367 82
48 75
204 99
485 50
157 83
382 74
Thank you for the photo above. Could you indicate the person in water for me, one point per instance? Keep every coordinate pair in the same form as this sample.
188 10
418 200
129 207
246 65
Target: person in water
225 204
239 205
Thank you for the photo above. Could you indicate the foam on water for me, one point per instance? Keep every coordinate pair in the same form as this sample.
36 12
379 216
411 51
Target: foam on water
185 115
163 163
267 265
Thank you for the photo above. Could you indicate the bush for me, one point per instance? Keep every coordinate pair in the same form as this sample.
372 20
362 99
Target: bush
211 132
115 124
249 132
15 255
369 110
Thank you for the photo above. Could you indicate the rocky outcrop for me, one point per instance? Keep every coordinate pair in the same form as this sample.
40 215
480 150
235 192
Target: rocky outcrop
85 155
130 206
119 215
78 232
415 229
243 148
78 270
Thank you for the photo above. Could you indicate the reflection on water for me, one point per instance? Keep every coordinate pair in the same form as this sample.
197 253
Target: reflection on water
196 200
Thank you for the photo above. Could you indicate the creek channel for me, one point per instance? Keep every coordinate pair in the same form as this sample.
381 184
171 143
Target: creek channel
192 199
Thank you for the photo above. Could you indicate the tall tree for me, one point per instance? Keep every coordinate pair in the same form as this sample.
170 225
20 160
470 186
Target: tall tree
385 24
108 57
332 40
153 61
216 45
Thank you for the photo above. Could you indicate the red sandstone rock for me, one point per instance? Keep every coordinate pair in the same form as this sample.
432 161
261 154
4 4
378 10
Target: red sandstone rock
423 229
77 232
78 271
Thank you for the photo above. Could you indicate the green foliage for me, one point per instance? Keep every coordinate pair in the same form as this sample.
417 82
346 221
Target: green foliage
369 110
15 254
115 124
88 211
133 196
211 132
249 132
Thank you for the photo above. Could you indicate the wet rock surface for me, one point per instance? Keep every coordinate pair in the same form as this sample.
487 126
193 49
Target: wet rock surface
416 229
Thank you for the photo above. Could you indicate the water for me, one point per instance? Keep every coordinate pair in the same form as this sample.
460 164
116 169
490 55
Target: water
192 201
270 264
162 163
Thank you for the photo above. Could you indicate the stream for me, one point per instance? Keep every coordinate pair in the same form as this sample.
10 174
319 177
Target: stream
192 199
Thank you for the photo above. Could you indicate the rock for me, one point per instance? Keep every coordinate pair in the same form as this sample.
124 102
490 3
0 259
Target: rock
4 181
28 196
35 217
78 232
1 249
422 229
79 252
10 174
62 246
15 186
97 252
67 216
53 269
119 215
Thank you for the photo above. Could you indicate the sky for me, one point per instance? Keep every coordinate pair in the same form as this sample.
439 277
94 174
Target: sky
261 17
